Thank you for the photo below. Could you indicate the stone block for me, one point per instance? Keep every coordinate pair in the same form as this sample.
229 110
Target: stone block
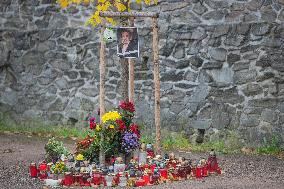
215 15
232 58
252 89
217 4
201 124
269 116
218 54
199 8
249 120
212 65
260 29
244 76
220 30
172 76
264 102
230 95
179 51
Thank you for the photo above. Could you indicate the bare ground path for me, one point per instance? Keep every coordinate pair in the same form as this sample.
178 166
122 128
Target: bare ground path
240 171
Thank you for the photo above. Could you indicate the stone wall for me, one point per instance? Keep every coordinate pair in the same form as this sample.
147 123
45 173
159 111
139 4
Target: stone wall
222 66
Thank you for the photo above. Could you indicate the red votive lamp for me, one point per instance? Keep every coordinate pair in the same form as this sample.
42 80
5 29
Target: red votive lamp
97 179
43 166
198 172
164 173
68 179
153 166
140 183
205 171
78 179
146 178
33 170
42 171
218 170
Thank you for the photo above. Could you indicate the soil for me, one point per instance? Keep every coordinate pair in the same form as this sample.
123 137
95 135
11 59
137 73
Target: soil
239 171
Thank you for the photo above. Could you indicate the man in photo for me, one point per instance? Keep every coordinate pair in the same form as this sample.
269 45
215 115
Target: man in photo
128 46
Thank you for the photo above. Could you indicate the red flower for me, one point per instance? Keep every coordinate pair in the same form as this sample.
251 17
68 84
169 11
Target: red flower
134 129
121 125
93 123
127 106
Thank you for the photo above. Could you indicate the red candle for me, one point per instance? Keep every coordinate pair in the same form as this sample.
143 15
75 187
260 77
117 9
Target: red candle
218 170
198 172
153 166
146 178
33 170
43 166
205 171
78 179
97 178
140 182
146 166
68 179
164 173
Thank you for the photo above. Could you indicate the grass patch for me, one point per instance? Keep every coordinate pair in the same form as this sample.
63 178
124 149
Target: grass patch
43 130
273 146
170 140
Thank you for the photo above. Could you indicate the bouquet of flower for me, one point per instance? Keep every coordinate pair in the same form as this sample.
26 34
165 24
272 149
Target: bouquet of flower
119 132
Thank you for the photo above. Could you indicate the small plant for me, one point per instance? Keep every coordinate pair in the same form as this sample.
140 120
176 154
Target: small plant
54 149
271 147
59 168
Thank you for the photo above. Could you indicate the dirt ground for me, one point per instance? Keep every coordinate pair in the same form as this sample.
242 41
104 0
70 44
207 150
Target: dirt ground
240 171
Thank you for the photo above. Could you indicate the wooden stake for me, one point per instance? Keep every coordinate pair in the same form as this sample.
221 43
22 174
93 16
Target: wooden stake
102 90
129 14
157 85
131 70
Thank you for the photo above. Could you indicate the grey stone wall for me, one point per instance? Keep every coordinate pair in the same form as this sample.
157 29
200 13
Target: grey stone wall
222 66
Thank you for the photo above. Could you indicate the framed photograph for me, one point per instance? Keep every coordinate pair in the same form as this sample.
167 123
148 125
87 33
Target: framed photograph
127 42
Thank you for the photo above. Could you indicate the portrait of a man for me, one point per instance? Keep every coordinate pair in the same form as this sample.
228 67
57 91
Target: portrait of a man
127 42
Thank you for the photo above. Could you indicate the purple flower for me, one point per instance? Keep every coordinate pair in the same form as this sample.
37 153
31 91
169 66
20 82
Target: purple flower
130 141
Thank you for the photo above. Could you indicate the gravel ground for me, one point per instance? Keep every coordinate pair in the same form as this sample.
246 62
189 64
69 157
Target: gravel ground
239 171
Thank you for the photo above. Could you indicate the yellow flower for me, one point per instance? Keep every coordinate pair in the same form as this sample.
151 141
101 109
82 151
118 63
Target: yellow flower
80 157
98 127
111 116
111 126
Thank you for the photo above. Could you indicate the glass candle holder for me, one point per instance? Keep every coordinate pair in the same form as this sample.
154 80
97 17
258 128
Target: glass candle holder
68 179
142 158
152 167
198 172
146 178
122 181
33 170
140 183
205 171
109 179
97 178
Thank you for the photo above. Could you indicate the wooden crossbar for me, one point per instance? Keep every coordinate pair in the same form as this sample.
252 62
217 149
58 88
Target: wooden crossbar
129 14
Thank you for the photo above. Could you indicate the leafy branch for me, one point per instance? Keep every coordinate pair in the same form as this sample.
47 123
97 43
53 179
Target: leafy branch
104 5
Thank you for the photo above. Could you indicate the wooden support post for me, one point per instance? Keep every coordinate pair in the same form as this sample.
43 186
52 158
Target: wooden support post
131 70
157 85
102 90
